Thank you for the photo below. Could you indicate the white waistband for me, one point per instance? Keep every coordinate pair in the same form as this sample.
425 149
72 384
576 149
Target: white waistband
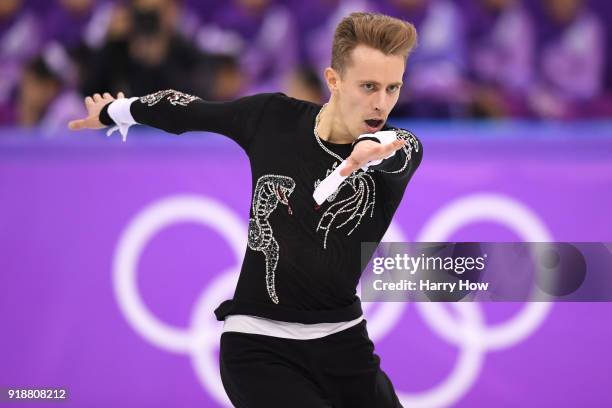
287 330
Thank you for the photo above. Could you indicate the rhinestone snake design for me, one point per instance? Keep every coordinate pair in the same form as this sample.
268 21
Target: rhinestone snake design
270 190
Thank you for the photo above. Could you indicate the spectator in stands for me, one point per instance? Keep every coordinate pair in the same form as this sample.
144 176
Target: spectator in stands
43 99
481 58
502 41
261 34
305 84
310 17
78 23
227 80
571 62
79 26
145 52
19 42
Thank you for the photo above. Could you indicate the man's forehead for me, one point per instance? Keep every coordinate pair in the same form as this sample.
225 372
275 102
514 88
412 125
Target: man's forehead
371 65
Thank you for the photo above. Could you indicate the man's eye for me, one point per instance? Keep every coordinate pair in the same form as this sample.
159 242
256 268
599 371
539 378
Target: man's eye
368 87
393 88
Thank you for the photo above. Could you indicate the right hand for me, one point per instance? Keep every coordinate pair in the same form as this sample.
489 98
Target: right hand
367 151
94 105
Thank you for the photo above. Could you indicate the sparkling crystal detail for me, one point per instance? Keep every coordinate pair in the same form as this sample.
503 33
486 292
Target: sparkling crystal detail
351 209
270 190
412 144
174 97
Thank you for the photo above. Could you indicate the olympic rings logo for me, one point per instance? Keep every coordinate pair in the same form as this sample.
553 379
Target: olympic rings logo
201 339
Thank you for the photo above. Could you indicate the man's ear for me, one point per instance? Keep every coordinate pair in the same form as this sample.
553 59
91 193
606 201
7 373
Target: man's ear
332 78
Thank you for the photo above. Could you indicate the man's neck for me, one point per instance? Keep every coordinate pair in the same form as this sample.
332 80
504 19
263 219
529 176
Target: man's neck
331 128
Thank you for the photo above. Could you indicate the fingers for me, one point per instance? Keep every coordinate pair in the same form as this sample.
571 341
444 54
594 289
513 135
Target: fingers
397 144
92 102
393 147
346 171
350 166
100 98
77 124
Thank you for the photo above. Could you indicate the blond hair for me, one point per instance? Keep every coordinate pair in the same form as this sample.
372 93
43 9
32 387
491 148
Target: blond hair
387 34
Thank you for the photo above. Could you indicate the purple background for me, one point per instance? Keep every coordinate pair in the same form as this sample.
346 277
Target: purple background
64 204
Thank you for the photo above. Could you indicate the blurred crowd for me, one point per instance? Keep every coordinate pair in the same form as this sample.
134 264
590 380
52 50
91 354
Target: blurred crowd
532 59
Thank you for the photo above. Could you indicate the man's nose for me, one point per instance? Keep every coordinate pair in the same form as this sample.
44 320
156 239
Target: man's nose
381 101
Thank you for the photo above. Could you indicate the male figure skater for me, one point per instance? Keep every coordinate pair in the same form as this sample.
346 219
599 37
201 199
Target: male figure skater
324 179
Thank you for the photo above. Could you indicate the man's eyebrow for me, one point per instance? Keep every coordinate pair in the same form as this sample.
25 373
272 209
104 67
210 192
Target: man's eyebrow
366 81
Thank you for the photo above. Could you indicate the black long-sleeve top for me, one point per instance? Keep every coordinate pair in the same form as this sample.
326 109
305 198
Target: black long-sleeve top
303 261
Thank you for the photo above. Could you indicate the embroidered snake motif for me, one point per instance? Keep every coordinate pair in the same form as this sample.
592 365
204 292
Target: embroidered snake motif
270 190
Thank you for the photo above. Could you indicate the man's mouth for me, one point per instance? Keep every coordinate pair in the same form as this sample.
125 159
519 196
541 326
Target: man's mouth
373 124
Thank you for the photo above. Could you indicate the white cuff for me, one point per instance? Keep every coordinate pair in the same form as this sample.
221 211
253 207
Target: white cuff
384 137
119 111
329 185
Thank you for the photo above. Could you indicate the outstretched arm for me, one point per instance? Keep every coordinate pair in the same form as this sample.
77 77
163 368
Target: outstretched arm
177 112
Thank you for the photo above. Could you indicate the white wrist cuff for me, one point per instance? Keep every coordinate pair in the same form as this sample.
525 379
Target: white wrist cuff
119 111
384 137
329 185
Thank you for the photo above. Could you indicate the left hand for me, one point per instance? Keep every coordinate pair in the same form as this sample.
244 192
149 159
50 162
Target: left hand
367 151
94 105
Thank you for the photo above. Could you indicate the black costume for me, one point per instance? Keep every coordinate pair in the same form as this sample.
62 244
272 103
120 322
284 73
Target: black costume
303 261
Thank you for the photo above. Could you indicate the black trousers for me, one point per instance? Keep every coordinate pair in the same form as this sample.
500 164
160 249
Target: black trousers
339 371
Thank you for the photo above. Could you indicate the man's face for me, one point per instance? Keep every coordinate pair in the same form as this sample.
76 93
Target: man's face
368 90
